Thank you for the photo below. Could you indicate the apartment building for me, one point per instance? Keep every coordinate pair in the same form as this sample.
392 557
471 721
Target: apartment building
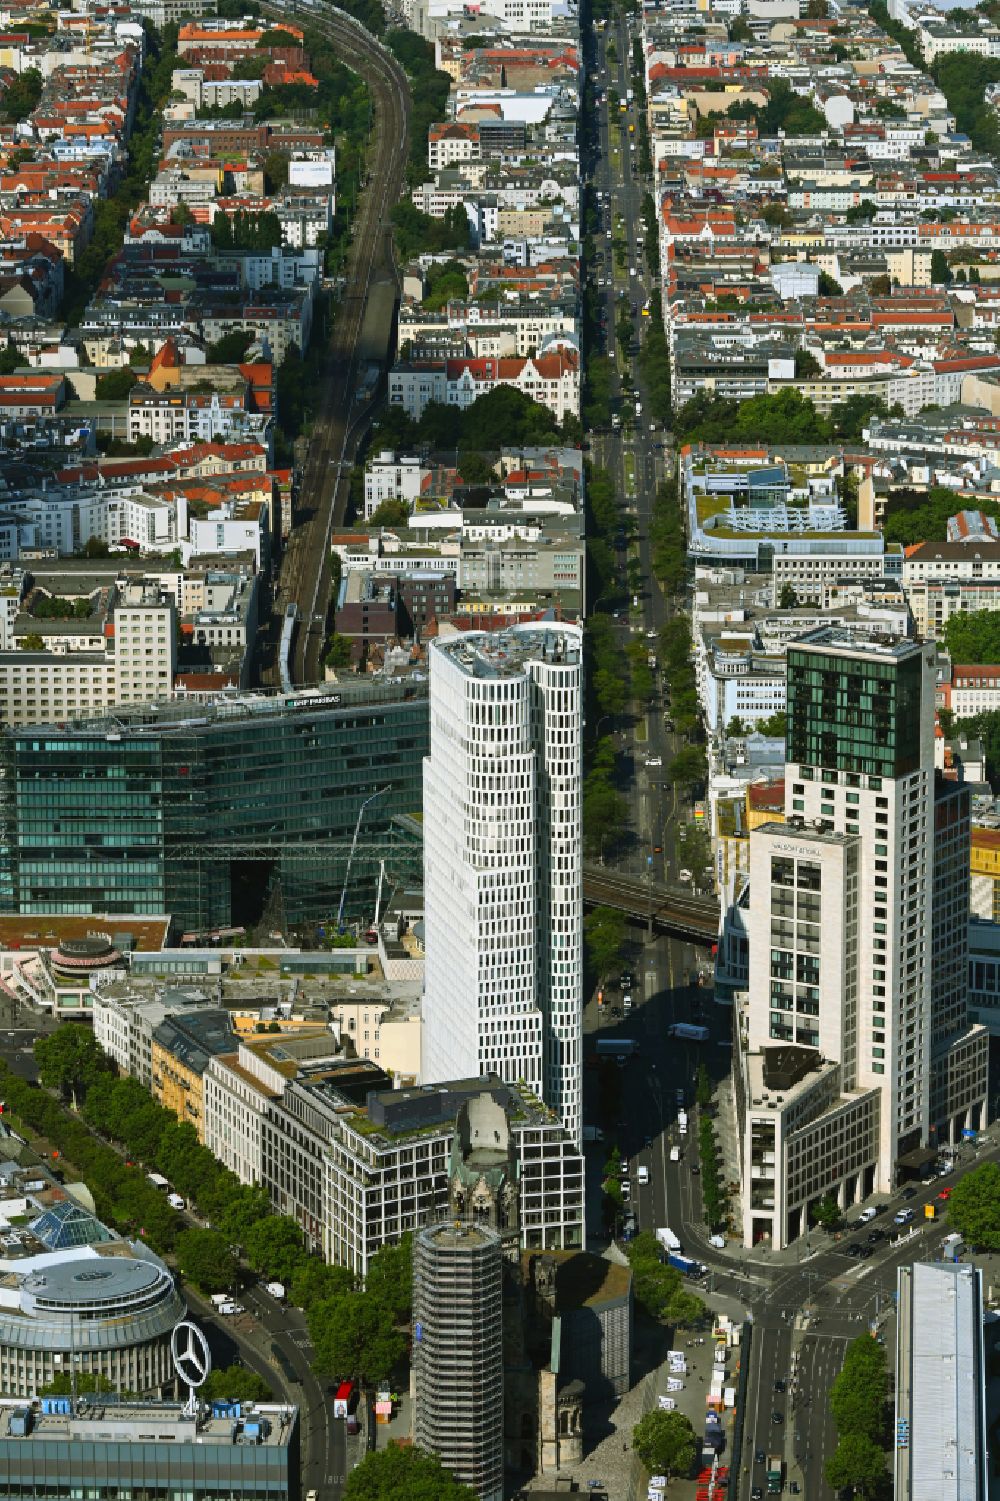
124 1023
131 659
182 1046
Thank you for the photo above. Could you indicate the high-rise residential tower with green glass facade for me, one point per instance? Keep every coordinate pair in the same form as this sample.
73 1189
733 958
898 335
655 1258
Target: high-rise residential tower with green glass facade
857 1059
210 812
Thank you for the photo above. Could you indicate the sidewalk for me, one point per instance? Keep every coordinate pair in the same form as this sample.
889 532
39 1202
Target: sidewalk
612 1462
400 1425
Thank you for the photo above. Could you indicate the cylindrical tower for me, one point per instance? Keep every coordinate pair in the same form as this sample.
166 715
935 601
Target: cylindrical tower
458 1352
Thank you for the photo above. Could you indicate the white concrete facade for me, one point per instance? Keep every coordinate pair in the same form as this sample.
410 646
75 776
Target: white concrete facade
502 863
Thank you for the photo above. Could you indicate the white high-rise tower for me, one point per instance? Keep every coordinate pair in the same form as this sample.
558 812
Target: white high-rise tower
503 851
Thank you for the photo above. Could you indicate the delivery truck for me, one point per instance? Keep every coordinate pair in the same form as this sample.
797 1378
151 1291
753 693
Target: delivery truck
775 1474
668 1240
688 1032
685 1264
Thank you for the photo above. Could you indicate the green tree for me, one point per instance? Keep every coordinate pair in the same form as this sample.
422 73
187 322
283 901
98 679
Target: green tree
858 1395
665 1442
275 171
275 1246
611 1184
70 1060
702 1088
275 37
826 1213
922 516
10 358
787 598
688 767
33 642
389 512
604 938
659 1288
205 1259
807 366
476 468
243 1206
390 1279
445 283
63 1385
230 349
940 270
785 417
404 1474
313 1281
20 97
859 1462
235 1383
116 385
973 637
775 726
354 1335
974 1207
338 651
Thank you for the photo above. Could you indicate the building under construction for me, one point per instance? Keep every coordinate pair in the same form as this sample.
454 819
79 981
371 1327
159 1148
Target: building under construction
458 1351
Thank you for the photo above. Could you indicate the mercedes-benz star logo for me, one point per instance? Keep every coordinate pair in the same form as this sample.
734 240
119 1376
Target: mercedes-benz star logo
190 1354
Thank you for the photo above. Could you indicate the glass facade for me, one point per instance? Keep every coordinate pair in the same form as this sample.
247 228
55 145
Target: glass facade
209 814
142 1469
854 714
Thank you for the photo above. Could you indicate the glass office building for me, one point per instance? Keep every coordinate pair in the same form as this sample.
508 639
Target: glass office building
214 814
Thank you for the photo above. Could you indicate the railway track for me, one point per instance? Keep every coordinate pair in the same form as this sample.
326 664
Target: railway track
305 578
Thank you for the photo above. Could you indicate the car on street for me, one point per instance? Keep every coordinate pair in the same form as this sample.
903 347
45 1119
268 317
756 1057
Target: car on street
903 1217
760 1457
653 761
777 1417
944 1195
695 1169
874 1236
626 1189
779 1386
908 1193
684 875
756 1494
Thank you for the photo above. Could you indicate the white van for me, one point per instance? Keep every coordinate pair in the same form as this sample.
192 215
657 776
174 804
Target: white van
643 1176
675 1154
867 1215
